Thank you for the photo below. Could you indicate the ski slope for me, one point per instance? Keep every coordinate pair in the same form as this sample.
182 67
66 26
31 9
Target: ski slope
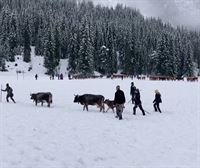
64 136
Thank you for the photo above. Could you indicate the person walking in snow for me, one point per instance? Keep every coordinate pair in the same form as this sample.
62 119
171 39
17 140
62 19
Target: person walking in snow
138 102
119 101
157 101
132 92
9 91
61 76
36 77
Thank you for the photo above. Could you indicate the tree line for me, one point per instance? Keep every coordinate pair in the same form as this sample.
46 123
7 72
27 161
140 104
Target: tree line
95 38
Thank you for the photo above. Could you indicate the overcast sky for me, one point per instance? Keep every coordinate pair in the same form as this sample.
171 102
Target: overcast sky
177 12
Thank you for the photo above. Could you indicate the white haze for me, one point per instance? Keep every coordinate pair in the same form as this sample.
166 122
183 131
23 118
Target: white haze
176 12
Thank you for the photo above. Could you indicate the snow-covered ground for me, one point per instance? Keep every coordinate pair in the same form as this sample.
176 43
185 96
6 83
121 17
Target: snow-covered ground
64 136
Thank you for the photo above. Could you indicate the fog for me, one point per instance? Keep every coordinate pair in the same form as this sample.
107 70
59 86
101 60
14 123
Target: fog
176 12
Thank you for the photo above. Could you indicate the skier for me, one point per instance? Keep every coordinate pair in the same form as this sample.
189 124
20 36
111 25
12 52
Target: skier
157 100
119 101
138 102
9 91
132 92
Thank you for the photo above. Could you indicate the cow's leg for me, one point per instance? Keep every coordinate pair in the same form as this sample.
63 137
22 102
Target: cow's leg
102 107
107 109
86 107
113 110
83 107
42 103
36 102
48 104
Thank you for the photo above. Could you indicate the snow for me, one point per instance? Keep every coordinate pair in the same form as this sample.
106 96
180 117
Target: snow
36 65
64 136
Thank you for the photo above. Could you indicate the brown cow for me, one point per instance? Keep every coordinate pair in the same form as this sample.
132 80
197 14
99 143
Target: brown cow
110 104
90 99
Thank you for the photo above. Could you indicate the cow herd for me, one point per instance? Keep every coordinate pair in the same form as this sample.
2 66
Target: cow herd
85 100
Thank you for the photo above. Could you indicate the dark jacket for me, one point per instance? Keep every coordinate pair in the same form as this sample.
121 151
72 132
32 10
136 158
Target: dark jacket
132 90
9 91
157 98
137 98
119 97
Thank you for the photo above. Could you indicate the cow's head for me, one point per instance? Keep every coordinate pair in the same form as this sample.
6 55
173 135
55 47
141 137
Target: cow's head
76 99
33 96
106 101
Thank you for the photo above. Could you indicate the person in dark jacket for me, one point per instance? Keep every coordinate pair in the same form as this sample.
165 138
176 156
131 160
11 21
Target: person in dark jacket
132 92
9 91
36 77
157 100
119 101
138 102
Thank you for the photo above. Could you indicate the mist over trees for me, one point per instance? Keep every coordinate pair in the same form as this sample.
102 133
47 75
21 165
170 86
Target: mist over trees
95 38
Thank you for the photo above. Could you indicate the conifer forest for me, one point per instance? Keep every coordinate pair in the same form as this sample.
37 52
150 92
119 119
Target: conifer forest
96 38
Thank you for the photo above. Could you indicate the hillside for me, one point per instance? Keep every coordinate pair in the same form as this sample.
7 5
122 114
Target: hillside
36 66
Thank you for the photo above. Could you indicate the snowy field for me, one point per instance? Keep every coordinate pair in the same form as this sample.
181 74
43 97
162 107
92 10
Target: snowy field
64 136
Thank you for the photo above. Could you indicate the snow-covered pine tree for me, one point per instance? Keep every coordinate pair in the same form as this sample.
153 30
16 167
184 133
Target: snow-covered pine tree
86 58
49 59
73 52
163 54
112 54
103 58
26 42
57 46
129 55
188 66
2 58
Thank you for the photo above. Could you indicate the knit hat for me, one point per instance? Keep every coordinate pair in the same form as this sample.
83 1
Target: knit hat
117 87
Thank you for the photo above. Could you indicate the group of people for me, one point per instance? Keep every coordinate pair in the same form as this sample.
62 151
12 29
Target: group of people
119 100
60 76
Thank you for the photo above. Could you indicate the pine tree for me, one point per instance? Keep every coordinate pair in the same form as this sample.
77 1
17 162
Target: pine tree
49 60
103 60
2 58
165 64
73 53
188 67
86 58
129 56
112 54
26 43
57 48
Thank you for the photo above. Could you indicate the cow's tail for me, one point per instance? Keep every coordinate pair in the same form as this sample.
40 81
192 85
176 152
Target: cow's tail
50 98
102 103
